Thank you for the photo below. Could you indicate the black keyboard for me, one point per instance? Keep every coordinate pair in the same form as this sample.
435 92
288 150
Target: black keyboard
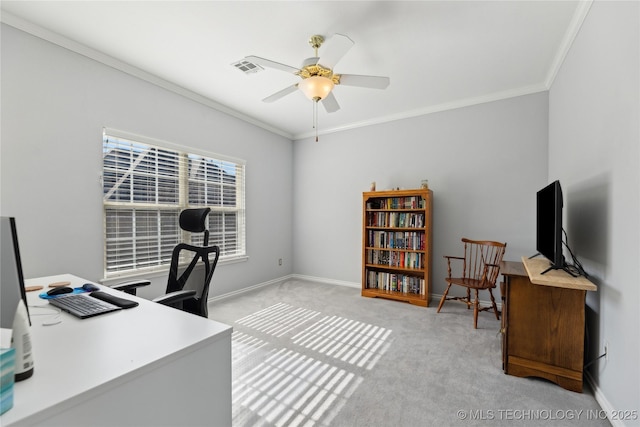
82 306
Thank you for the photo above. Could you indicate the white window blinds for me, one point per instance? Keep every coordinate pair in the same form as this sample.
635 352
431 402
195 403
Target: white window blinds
145 187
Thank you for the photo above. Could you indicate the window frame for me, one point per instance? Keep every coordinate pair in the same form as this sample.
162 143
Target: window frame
183 202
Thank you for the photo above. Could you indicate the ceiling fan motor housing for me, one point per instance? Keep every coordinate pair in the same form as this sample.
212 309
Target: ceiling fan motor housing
311 68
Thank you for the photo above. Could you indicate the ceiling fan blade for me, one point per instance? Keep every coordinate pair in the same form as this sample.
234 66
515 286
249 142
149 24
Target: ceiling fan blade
374 82
330 103
281 93
272 64
334 49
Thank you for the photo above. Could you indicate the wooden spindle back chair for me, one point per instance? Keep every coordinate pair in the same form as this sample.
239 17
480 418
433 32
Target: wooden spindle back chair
480 270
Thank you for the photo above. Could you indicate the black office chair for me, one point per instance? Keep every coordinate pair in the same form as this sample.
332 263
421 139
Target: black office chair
187 291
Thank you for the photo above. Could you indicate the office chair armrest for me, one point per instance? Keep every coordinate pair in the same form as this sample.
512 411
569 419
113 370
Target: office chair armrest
130 287
174 297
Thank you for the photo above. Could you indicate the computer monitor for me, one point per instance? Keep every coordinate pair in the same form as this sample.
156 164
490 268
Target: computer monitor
11 277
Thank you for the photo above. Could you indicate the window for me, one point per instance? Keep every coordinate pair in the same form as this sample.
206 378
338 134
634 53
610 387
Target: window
145 187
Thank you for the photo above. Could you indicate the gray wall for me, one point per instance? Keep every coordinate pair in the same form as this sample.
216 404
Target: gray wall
484 164
54 106
594 149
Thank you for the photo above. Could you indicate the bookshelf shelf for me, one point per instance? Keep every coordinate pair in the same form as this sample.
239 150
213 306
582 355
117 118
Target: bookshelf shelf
391 267
396 245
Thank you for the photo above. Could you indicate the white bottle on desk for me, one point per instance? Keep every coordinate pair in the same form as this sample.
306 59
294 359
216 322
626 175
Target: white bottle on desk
21 341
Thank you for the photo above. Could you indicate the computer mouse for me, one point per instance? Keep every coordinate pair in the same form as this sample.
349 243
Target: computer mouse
90 287
59 291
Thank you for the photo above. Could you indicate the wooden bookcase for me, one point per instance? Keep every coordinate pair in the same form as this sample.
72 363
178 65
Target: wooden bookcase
396 245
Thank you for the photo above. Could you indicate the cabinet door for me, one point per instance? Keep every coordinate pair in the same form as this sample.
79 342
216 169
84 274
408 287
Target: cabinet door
546 324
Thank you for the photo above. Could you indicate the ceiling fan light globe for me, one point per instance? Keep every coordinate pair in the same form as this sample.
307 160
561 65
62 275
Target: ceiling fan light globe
316 87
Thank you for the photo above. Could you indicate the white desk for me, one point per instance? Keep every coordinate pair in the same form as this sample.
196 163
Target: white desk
150 365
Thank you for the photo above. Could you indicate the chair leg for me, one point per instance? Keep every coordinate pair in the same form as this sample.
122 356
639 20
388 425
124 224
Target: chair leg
469 298
495 307
475 311
444 297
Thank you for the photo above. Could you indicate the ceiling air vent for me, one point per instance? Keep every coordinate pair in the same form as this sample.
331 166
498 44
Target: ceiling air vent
247 67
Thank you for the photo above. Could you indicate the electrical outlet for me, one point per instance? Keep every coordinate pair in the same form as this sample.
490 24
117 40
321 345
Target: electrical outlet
280 261
607 348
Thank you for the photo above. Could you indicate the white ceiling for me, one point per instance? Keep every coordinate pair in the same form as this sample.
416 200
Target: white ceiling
438 54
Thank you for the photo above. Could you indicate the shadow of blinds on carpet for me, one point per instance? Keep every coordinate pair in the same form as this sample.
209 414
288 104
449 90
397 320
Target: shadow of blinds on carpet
294 366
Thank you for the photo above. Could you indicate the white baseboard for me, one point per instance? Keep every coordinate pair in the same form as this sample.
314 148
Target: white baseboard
357 285
325 280
249 288
284 279
607 408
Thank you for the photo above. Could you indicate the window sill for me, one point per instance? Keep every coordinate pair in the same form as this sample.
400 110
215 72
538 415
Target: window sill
159 272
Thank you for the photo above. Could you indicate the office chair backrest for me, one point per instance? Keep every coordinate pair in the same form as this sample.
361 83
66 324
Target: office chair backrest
194 220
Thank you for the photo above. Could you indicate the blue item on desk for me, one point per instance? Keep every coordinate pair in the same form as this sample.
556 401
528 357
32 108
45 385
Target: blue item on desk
59 291
90 287
7 368
46 295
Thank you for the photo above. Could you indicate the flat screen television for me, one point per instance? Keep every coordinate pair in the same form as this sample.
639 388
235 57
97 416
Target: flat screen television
549 225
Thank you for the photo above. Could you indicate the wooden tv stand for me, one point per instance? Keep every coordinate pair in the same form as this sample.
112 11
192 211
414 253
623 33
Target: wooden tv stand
543 319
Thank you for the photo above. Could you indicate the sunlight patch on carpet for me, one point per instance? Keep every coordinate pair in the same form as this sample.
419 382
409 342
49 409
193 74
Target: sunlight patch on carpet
278 319
303 380
290 388
351 341
244 345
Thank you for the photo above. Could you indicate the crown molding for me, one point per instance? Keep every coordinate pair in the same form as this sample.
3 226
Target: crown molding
79 48
582 10
467 102
570 35
578 18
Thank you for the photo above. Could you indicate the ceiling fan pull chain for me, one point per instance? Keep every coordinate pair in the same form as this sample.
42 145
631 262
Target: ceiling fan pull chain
315 118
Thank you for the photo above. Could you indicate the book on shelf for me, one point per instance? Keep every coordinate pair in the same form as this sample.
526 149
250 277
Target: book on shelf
396 240
395 282
402 259
411 202
395 219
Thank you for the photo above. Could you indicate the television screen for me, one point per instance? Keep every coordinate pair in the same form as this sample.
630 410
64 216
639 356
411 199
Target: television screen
549 224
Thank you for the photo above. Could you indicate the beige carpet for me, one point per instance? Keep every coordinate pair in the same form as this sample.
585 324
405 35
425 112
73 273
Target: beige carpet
312 354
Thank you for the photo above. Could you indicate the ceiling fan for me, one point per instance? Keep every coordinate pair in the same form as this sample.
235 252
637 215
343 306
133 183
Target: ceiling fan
318 78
